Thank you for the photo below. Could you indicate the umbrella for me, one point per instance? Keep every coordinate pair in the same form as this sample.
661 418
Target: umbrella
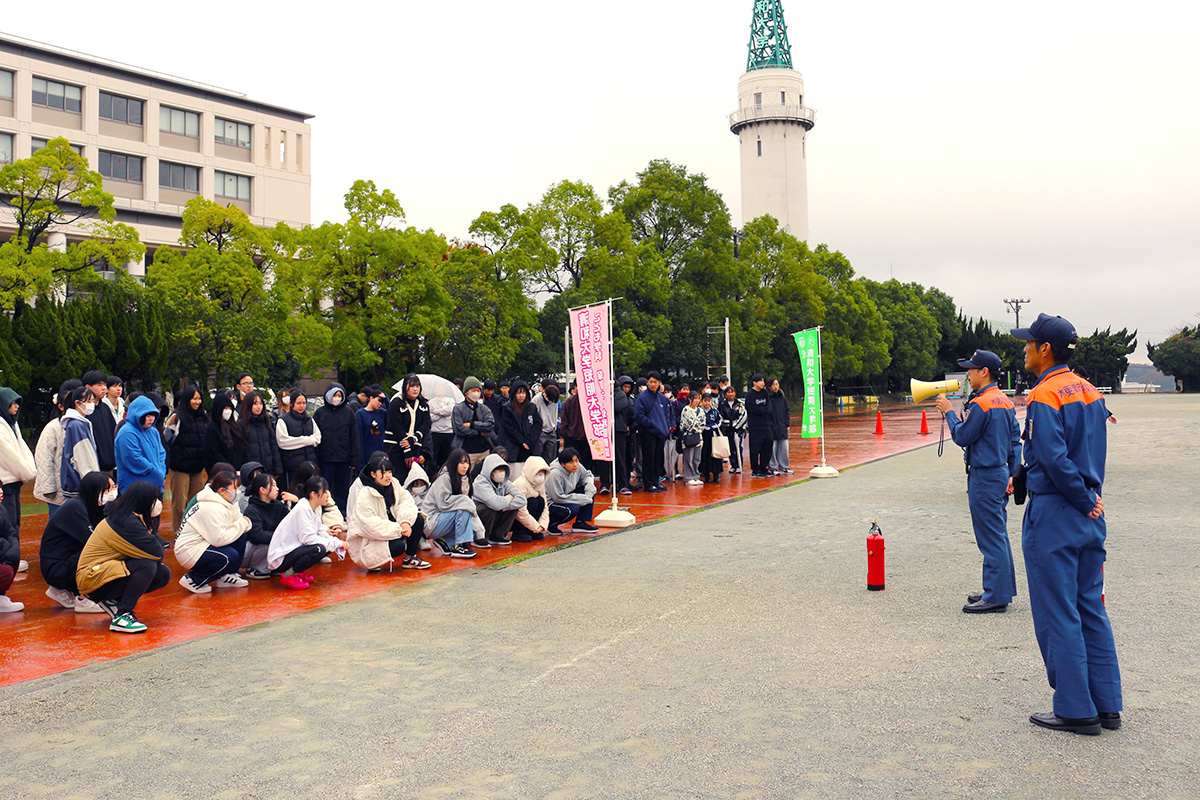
434 386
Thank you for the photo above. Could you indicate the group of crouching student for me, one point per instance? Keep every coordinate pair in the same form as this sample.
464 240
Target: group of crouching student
513 474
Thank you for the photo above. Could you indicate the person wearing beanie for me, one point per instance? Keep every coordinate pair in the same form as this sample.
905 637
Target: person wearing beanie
473 423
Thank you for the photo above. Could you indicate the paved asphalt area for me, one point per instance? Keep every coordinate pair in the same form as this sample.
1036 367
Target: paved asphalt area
733 652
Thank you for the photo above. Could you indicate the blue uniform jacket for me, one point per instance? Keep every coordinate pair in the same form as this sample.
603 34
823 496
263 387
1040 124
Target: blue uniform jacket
653 413
371 427
988 432
1065 438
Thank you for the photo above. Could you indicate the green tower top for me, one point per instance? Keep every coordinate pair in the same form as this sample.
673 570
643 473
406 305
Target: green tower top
768 37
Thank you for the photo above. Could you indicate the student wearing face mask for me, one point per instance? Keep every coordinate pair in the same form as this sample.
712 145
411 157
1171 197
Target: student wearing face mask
223 440
212 538
547 407
533 519
338 451
122 559
473 423
64 538
497 501
386 524
408 426
79 444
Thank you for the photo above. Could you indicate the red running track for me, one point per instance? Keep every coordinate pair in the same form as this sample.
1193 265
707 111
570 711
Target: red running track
45 638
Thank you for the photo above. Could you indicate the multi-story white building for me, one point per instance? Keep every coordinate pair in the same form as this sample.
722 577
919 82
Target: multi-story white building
158 140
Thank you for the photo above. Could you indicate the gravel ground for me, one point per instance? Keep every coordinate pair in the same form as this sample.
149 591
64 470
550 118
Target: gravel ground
733 653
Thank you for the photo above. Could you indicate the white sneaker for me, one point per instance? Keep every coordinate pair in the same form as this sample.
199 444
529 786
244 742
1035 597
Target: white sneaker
425 545
231 581
85 606
186 583
8 606
23 566
326 560
695 483
61 596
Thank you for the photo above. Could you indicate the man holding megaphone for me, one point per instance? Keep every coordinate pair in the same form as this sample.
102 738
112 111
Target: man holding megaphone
991 440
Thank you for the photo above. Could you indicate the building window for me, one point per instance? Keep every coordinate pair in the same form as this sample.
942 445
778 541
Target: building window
760 147
758 99
6 148
120 109
60 96
783 98
38 144
178 121
6 85
234 134
178 176
120 167
234 187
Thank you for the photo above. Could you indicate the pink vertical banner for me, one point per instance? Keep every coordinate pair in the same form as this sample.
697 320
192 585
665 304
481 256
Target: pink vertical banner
589 335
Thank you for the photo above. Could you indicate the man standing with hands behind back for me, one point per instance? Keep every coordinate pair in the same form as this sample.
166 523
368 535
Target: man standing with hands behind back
990 437
1063 534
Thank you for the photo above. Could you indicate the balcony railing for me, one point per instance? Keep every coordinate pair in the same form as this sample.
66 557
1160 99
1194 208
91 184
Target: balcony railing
801 115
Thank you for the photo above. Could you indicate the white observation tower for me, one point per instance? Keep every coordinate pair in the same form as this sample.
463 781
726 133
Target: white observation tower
771 124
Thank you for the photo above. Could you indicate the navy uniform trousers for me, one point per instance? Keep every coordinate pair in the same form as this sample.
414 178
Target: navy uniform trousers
988 500
1064 553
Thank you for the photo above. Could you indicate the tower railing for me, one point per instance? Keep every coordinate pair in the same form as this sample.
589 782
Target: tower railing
802 115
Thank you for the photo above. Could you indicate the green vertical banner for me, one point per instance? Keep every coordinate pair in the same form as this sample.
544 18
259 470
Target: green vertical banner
809 344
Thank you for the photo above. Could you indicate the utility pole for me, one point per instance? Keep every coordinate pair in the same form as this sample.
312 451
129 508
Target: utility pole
1014 307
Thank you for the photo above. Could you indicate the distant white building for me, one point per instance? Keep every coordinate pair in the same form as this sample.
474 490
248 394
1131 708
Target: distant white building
158 140
772 125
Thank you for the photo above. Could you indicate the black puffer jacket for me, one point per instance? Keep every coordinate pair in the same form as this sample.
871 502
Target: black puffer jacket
187 449
781 415
339 431
63 540
264 518
516 430
10 545
260 443
223 438
622 407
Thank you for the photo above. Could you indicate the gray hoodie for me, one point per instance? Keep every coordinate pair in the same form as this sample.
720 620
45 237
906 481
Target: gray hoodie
577 488
438 498
496 495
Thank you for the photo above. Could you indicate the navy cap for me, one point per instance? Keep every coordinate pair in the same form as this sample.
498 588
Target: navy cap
1054 330
983 358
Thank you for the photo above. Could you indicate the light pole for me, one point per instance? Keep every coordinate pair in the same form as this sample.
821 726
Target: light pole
1014 307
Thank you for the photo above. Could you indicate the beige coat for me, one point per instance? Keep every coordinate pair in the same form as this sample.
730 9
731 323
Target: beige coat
371 530
525 485
211 520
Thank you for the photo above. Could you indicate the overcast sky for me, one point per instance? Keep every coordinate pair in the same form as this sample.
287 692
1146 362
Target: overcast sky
1034 149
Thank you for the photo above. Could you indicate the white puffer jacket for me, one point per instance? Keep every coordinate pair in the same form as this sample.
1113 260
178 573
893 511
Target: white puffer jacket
371 530
212 520
526 486
16 459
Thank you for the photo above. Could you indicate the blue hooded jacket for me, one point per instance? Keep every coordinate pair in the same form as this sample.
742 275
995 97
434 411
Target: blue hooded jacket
140 452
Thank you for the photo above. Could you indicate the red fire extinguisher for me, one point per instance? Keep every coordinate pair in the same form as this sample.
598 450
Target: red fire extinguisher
876 581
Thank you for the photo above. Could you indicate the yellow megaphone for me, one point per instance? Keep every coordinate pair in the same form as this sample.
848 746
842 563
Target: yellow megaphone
923 390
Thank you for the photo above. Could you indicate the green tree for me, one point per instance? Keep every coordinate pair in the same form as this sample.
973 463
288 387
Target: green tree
1105 356
855 341
915 334
377 288
223 309
51 190
1179 355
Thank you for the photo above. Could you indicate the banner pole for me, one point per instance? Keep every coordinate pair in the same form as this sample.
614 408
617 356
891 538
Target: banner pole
612 517
823 471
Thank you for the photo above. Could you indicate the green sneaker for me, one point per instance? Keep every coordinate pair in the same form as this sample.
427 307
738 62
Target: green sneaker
127 623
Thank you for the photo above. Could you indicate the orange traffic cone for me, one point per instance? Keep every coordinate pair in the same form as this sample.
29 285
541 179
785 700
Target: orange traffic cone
924 425
879 423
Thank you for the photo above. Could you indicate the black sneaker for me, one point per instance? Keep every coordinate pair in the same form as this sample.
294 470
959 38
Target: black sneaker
462 551
626 490
584 527
499 542
110 608
445 547
605 490
482 544
258 575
